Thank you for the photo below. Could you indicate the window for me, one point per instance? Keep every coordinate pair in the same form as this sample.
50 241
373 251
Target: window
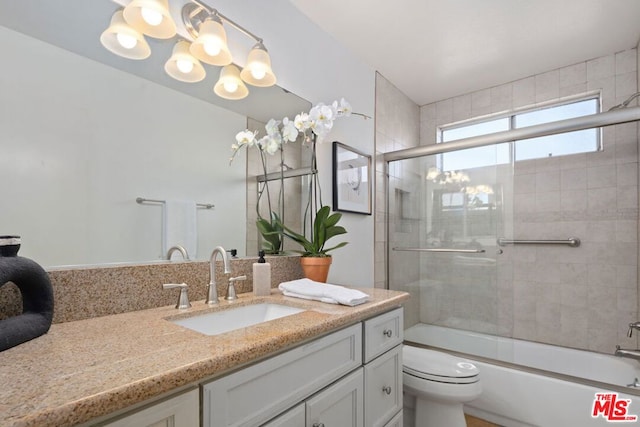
583 141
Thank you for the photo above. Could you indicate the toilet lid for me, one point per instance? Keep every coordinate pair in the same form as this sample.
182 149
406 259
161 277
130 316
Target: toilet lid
438 366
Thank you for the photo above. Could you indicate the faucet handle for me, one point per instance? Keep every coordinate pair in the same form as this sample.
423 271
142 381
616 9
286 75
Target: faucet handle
183 298
231 289
632 326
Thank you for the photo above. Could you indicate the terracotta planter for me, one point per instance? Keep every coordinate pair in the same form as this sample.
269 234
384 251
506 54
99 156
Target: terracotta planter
316 269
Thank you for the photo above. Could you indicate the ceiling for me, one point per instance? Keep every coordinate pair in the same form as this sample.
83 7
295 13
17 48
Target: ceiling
437 49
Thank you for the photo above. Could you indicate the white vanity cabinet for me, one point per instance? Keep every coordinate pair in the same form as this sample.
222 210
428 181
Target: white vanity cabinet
181 410
350 378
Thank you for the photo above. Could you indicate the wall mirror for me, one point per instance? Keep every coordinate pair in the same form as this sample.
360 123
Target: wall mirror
83 133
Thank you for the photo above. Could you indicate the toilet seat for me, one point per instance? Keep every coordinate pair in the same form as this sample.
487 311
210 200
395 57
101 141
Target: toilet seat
437 366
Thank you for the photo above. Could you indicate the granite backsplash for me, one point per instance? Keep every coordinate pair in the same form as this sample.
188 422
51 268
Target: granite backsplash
86 292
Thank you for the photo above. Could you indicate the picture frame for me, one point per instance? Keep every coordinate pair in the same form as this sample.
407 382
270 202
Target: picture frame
352 181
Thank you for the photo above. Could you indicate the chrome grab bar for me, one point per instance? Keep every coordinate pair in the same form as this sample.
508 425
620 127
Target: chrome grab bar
462 251
574 242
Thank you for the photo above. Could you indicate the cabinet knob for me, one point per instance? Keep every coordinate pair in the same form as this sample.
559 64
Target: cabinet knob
386 389
387 333
318 425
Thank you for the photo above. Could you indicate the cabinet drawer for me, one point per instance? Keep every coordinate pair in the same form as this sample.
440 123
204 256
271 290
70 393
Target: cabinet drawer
292 418
383 385
260 392
382 333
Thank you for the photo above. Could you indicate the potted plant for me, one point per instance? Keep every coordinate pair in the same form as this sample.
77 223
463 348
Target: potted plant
315 259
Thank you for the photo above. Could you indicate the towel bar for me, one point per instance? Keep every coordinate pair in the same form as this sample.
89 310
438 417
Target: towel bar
141 200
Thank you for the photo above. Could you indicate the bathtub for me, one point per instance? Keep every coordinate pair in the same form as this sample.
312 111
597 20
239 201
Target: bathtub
531 384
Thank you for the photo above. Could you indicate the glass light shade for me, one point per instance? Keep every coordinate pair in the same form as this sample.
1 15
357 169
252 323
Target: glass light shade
211 44
123 40
151 17
183 66
258 71
230 85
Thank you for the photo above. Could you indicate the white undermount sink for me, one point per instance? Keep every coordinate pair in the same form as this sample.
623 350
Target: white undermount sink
230 319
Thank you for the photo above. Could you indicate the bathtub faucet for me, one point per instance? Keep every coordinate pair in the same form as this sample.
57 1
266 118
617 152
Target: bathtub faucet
633 354
632 326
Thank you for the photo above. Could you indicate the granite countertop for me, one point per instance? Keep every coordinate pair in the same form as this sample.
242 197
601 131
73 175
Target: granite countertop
90 368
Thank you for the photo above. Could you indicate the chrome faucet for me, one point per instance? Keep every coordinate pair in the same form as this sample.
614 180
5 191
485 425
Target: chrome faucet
632 326
622 352
177 248
212 290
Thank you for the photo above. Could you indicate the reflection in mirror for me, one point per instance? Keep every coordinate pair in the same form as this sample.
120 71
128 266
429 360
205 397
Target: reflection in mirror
82 140
292 189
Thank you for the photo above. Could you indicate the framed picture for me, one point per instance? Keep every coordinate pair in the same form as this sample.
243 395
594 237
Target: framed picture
351 180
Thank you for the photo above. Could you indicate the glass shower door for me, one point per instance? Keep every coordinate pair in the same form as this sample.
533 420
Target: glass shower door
442 232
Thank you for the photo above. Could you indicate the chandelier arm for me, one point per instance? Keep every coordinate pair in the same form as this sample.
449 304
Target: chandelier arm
190 12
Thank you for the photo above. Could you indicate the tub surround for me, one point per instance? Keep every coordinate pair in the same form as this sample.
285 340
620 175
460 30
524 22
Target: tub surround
91 368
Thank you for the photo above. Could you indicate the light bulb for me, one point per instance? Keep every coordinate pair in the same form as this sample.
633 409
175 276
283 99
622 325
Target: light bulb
258 73
126 41
184 66
230 86
150 16
212 48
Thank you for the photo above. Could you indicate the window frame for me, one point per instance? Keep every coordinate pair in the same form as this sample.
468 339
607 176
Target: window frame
511 116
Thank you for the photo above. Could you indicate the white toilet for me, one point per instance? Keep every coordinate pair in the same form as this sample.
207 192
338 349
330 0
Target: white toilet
441 384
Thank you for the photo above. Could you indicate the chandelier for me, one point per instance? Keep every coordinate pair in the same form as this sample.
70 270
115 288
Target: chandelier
125 37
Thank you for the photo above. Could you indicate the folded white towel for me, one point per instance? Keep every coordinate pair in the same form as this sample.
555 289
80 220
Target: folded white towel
332 294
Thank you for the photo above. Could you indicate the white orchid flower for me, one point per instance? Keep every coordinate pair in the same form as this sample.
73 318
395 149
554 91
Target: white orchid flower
302 122
246 137
321 117
270 143
289 130
344 108
272 127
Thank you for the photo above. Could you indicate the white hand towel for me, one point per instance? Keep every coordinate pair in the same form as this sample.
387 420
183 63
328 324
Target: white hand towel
179 227
332 294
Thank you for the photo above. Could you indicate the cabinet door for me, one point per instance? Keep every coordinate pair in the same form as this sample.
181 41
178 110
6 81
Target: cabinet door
383 388
395 421
180 411
339 405
292 418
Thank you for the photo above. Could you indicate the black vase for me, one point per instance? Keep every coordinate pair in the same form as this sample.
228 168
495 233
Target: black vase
37 295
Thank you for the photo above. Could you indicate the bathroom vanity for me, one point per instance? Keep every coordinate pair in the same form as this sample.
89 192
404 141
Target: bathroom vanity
327 362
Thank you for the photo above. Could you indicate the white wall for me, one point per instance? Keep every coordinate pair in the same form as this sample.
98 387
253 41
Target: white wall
81 140
310 63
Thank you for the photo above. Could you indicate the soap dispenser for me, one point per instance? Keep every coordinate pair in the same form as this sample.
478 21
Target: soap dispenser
261 277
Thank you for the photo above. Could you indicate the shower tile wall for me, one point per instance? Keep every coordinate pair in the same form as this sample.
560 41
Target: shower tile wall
582 297
397 127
